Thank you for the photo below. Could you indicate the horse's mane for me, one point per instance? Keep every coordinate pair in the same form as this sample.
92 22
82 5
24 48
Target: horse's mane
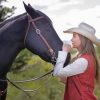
18 16
11 19
5 24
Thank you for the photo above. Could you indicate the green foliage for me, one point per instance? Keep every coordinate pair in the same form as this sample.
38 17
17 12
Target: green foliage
97 92
98 51
22 59
49 89
5 12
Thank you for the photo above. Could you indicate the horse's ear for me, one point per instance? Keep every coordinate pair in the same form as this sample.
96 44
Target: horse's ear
31 11
29 5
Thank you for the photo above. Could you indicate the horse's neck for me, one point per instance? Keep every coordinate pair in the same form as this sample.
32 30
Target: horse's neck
12 41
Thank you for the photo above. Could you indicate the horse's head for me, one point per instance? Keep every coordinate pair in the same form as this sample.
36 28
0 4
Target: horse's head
41 38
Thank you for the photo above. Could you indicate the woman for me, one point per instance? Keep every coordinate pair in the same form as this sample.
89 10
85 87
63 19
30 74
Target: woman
82 71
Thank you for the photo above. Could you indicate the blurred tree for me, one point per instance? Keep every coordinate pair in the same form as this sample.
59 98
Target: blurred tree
21 60
5 12
98 51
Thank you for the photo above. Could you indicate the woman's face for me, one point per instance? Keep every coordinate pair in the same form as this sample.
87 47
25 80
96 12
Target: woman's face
76 41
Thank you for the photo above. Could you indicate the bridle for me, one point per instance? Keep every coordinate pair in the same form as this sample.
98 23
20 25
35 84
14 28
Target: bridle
51 51
38 31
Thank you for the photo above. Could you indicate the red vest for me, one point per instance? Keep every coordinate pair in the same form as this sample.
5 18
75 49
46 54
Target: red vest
81 86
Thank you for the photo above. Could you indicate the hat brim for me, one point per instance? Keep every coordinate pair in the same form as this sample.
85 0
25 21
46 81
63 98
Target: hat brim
84 33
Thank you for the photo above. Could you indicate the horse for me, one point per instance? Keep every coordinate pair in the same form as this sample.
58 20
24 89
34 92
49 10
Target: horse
32 30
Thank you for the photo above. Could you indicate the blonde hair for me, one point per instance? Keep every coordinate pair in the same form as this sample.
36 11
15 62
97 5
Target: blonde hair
88 47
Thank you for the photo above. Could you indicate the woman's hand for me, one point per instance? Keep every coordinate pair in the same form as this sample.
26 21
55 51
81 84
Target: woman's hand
66 47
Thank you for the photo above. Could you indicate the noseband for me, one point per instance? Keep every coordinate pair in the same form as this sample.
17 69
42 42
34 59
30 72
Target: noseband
38 31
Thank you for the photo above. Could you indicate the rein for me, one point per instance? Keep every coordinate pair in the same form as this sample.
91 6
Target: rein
33 79
23 81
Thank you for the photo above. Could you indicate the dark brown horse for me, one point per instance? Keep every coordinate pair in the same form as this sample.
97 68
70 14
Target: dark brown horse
32 30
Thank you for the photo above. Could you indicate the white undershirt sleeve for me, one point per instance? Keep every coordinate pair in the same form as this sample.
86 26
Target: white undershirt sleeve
77 67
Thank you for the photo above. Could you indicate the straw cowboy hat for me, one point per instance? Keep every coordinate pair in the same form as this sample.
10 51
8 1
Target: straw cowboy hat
85 30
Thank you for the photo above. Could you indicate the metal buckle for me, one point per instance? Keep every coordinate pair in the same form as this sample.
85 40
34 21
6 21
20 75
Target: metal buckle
37 31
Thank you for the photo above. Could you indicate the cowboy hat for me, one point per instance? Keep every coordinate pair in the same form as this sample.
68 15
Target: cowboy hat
85 30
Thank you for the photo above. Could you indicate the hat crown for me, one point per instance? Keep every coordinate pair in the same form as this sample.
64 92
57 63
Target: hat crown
87 27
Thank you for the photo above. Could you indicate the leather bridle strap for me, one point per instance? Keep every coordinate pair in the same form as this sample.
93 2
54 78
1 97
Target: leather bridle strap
38 31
